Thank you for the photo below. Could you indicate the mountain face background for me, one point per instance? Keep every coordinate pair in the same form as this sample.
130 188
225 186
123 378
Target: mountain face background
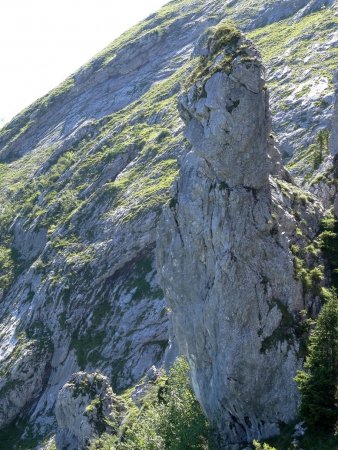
86 170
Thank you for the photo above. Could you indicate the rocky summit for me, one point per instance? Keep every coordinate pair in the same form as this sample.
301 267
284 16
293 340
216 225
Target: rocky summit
175 196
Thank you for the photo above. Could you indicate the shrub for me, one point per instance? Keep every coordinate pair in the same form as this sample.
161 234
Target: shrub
258 446
328 240
170 418
320 148
226 34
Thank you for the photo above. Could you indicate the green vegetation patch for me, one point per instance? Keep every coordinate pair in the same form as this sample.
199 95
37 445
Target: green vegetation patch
169 418
285 332
139 283
328 242
87 347
223 42
307 161
312 440
274 40
11 436
318 382
225 35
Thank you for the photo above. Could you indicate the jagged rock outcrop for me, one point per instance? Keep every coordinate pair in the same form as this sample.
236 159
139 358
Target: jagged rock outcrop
86 407
223 249
143 388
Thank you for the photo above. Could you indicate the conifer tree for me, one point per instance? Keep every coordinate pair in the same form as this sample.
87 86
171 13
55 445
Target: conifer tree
319 381
320 148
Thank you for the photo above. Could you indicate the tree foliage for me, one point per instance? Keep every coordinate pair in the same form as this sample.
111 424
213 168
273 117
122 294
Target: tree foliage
321 148
174 421
318 383
170 418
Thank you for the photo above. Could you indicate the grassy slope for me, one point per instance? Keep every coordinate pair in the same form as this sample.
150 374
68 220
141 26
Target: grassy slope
273 41
296 42
302 48
52 198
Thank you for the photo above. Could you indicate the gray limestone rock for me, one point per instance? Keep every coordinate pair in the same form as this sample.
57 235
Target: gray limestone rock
23 375
86 407
212 128
28 243
224 259
312 6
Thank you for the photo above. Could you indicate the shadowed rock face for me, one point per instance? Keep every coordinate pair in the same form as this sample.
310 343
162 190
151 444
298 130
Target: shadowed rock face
224 260
24 378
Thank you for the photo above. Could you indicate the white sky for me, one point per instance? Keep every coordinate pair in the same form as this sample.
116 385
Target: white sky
44 41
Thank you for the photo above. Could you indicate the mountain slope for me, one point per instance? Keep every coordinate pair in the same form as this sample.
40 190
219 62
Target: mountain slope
85 172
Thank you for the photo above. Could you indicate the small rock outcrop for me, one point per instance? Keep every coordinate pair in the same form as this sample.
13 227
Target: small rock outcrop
86 407
223 250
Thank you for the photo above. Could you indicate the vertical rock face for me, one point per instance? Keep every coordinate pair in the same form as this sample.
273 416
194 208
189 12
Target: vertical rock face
224 260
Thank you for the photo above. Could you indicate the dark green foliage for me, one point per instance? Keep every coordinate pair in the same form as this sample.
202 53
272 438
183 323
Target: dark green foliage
173 202
319 381
320 148
226 35
86 347
223 186
312 440
183 425
11 437
284 332
329 244
170 417
139 281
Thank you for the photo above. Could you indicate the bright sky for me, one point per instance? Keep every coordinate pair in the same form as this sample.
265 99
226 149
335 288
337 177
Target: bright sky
44 41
